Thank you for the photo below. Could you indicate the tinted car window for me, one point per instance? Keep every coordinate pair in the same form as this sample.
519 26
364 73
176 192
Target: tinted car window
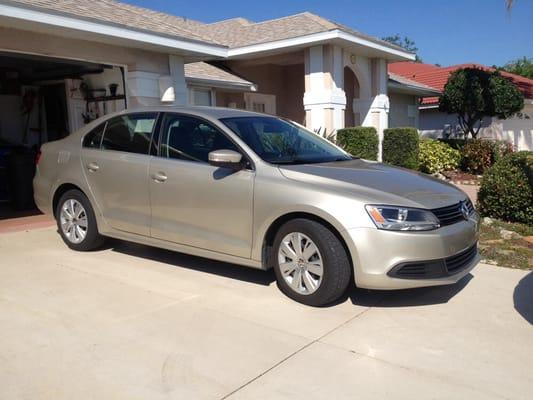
282 142
131 133
192 139
94 138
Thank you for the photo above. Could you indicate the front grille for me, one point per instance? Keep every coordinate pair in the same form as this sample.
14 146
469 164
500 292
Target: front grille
435 268
452 214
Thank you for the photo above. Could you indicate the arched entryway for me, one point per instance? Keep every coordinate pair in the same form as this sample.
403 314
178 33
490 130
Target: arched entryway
352 90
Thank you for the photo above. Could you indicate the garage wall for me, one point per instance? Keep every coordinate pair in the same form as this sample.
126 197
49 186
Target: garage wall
151 72
56 46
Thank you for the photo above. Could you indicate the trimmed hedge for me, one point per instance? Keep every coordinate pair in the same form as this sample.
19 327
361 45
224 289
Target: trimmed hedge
435 156
506 190
359 141
400 147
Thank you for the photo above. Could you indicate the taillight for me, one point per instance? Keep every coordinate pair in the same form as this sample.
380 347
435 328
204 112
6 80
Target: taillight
38 157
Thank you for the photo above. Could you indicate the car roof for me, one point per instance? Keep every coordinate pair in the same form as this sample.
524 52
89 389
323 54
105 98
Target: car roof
202 111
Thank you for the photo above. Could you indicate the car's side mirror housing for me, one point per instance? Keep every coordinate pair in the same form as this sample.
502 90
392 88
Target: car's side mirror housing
226 159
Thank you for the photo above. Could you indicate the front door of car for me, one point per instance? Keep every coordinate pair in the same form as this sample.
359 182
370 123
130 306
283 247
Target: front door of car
115 159
193 202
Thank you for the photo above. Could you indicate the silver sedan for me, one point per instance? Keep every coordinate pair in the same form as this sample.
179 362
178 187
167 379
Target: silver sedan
258 191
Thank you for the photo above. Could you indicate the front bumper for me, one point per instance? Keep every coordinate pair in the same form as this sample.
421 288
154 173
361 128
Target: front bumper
378 254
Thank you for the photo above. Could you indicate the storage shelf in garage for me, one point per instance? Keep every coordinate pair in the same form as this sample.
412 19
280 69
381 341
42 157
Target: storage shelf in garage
105 98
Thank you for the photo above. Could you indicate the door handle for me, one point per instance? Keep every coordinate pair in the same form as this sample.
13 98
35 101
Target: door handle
93 167
159 177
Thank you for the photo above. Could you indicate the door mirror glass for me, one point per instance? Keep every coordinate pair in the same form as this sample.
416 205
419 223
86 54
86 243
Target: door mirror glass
226 159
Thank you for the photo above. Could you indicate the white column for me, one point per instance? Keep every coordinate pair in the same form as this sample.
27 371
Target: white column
374 111
324 98
177 74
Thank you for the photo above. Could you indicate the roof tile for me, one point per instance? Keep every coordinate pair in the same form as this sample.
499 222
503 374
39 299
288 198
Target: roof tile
436 77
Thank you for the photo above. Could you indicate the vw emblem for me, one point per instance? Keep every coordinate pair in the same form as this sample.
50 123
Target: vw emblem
464 209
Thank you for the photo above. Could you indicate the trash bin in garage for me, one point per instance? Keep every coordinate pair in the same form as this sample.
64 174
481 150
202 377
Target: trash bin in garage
4 177
21 170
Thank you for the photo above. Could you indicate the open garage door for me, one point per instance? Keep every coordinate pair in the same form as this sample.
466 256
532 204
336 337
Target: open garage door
44 99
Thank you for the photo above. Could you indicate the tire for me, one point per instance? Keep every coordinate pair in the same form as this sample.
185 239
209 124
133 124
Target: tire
86 221
331 255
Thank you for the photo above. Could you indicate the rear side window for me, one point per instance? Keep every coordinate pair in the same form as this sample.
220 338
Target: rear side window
130 133
94 138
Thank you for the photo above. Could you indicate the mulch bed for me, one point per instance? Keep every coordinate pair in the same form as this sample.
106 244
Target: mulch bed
462 178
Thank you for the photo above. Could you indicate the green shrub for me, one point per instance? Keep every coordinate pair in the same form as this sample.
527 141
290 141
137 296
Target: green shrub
435 156
454 143
477 156
360 141
480 154
506 190
500 148
400 147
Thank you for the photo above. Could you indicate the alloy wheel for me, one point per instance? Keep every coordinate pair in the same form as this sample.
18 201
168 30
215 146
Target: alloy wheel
300 263
73 221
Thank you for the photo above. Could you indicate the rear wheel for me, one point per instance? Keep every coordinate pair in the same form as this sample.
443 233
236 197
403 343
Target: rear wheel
76 222
310 262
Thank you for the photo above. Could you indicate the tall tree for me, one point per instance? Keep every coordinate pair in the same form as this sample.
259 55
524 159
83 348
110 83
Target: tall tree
474 94
522 66
404 42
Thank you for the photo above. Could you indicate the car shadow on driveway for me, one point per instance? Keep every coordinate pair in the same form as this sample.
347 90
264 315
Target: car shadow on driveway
200 264
361 297
523 297
407 297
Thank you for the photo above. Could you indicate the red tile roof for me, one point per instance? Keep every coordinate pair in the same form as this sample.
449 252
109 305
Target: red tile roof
436 77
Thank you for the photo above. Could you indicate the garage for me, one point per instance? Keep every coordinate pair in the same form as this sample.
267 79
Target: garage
44 99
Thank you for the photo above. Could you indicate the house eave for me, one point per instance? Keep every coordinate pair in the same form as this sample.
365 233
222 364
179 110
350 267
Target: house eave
336 36
219 84
34 19
396 87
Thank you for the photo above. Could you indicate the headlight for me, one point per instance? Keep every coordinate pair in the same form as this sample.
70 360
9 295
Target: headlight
402 218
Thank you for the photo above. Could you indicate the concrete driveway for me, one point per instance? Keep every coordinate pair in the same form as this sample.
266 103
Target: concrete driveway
133 322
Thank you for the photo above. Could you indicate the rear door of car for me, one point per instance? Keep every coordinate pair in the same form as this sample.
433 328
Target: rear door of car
193 202
115 158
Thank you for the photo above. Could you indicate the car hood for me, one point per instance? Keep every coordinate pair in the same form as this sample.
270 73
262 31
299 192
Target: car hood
378 182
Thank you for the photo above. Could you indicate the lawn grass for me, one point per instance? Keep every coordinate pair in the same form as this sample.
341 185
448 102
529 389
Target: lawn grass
512 253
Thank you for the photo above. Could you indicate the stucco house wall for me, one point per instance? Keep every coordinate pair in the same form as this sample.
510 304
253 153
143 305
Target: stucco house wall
516 130
403 110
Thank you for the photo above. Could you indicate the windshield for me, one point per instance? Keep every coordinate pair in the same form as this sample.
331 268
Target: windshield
281 142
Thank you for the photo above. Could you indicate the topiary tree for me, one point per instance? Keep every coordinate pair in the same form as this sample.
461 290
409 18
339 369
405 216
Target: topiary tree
474 94
400 147
360 141
506 190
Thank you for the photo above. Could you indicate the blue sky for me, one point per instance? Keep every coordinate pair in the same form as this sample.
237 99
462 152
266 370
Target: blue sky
446 32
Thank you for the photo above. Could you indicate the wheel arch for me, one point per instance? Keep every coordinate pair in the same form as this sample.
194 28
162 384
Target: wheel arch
60 191
270 234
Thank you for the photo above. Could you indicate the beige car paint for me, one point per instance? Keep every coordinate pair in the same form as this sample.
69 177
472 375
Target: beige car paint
227 217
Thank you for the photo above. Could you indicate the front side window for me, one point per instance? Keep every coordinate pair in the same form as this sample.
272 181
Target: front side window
281 142
192 139
130 133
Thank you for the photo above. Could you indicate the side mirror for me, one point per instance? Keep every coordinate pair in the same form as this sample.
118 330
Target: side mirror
226 159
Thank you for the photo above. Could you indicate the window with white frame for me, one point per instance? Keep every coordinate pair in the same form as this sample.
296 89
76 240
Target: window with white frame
201 97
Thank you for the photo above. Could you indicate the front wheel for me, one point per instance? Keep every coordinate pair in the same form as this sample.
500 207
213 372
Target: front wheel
76 222
311 264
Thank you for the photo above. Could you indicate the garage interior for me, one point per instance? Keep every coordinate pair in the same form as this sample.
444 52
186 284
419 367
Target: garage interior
44 99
